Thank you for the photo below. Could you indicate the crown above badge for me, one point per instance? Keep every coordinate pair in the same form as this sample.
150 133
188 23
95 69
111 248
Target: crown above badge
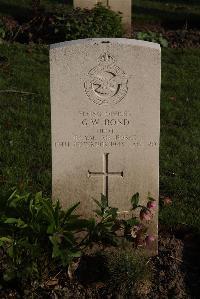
106 58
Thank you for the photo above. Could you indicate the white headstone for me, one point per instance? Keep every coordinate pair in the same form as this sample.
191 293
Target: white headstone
125 8
105 103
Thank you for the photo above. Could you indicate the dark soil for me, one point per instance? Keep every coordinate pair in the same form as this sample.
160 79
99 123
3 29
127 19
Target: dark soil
176 274
177 266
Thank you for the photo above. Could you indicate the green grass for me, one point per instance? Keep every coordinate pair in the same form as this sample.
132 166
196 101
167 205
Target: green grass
173 13
180 135
25 148
25 157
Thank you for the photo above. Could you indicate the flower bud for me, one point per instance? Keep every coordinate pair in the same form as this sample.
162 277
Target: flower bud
135 230
151 204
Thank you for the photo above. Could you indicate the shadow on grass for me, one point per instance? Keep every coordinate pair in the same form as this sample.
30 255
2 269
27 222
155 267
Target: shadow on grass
190 260
14 10
23 11
188 2
176 19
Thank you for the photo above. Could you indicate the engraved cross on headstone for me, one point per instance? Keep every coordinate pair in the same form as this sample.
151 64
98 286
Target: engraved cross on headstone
105 173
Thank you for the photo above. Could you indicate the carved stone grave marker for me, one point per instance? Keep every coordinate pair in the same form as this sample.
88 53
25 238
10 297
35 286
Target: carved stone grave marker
105 103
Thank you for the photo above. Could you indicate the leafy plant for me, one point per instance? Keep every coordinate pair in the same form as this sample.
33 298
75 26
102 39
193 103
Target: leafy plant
110 229
97 22
153 37
34 227
35 232
104 230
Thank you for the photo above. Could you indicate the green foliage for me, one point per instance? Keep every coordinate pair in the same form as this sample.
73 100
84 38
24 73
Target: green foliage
32 227
153 37
79 24
135 200
109 227
33 230
104 230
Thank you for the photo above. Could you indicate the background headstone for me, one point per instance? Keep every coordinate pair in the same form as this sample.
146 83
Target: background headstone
88 3
105 103
123 6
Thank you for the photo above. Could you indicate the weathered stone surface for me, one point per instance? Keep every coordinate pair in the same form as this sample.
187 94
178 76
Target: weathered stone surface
88 3
122 6
105 101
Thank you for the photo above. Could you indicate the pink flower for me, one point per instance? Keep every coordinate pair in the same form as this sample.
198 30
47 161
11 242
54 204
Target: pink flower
149 240
151 204
145 214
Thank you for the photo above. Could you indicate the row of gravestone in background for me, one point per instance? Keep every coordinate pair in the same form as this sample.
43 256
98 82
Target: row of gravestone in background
122 6
105 103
